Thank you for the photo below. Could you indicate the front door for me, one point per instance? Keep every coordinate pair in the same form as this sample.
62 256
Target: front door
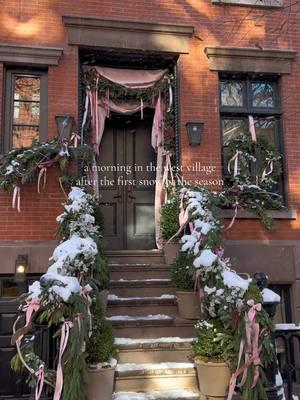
126 170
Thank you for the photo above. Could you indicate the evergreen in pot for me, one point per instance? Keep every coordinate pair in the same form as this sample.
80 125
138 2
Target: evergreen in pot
182 276
100 349
169 225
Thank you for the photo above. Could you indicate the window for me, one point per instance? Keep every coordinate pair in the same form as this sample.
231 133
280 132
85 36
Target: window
25 108
244 96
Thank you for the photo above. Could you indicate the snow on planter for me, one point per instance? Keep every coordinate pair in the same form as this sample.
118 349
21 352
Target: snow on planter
206 259
232 279
269 296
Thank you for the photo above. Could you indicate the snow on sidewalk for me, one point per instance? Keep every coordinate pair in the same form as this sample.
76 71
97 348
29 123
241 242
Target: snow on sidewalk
174 394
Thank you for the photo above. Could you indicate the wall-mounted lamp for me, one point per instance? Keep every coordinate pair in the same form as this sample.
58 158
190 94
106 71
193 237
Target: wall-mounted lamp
194 131
21 267
64 125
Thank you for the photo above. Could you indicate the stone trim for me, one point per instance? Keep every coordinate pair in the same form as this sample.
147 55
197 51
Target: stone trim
276 214
251 3
127 34
31 56
243 59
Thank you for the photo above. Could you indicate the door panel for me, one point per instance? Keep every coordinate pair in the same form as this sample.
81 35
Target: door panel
128 200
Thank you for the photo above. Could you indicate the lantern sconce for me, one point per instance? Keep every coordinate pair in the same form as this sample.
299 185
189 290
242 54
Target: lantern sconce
64 125
194 131
21 267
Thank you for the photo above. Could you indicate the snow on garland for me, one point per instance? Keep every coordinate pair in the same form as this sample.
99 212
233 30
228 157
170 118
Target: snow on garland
234 302
62 299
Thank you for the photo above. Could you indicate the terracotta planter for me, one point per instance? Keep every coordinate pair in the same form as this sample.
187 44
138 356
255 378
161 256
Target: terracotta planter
171 250
100 383
103 298
189 304
213 379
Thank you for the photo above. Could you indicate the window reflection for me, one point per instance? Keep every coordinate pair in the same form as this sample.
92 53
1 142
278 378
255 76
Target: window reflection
232 94
263 94
232 128
267 128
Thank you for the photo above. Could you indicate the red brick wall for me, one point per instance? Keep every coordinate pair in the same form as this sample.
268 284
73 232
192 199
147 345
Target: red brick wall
38 22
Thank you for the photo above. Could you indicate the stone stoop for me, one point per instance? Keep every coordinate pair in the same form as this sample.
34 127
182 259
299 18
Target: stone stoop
154 344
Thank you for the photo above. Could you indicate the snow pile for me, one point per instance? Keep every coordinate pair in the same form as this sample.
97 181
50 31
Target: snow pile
113 297
153 367
173 394
206 259
142 318
269 296
127 341
232 279
287 327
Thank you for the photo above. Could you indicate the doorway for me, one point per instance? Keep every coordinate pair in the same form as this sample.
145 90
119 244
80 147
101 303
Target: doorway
126 170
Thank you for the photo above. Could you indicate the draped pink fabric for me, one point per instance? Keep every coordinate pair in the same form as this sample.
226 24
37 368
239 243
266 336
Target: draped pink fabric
101 108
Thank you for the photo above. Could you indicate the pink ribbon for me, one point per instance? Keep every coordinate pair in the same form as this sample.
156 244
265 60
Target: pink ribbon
40 374
183 215
65 331
270 165
252 128
42 173
16 199
167 170
86 294
236 206
235 160
33 306
75 138
191 226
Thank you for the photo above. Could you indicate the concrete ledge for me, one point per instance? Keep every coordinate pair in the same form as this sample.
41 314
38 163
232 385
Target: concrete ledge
128 34
244 59
251 3
29 55
276 214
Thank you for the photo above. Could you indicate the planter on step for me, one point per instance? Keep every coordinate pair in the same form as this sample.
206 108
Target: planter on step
100 383
103 298
171 250
189 304
213 379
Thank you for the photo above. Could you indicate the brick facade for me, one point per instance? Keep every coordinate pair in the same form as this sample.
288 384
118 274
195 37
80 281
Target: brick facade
39 23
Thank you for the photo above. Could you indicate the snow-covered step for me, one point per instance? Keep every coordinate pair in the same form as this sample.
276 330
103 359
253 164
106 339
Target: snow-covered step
135 256
141 287
156 377
164 349
165 304
154 327
144 318
139 271
169 395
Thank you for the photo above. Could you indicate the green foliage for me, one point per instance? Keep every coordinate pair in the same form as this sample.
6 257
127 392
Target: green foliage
169 213
182 273
101 345
102 273
214 343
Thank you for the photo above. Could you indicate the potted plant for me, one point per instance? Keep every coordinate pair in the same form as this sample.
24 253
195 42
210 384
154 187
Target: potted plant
213 349
169 226
182 276
100 351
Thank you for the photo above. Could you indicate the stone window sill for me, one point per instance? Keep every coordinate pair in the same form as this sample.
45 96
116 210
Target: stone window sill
276 214
251 3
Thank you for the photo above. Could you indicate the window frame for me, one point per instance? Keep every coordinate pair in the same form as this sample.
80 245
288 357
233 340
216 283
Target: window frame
10 73
256 112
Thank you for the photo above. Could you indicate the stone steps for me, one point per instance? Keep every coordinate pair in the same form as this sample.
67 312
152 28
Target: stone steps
141 287
162 350
142 305
139 271
135 256
156 377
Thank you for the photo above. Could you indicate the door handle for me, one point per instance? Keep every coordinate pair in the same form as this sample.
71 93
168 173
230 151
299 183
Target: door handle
119 194
130 195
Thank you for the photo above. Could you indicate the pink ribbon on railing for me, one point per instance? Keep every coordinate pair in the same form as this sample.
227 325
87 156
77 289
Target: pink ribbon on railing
235 160
16 199
75 138
65 331
32 307
236 206
40 374
252 128
167 169
183 215
86 294
42 174
270 165
191 226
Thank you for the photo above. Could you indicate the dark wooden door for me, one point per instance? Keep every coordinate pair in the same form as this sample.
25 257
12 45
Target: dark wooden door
127 183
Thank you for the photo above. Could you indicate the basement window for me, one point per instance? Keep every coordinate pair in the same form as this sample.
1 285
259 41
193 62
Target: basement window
25 108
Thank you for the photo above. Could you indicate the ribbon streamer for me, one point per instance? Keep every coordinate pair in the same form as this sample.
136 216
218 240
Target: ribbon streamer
252 128
40 374
235 160
236 206
16 199
167 172
75 138
170 96
86 294
270 166
65 331
42 174
142 109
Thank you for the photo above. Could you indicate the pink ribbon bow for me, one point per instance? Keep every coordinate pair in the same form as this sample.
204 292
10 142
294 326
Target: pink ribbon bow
40 374
65 331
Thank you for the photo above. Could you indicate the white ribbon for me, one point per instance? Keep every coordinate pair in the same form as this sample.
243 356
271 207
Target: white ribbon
75 138
170 96
142 109
236 205
42 173
270 165
234 159
16 200
252 128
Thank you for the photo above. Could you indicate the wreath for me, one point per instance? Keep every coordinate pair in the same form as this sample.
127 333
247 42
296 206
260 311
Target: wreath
252 162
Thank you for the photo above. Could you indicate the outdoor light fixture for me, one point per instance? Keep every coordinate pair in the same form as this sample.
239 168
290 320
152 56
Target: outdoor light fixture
194 131
64 125
21 267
